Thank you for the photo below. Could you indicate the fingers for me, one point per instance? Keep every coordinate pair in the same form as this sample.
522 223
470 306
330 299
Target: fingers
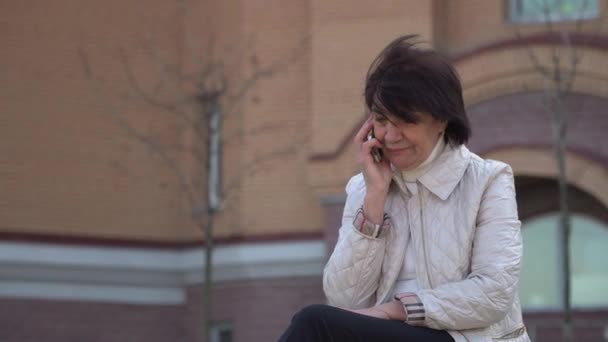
364 155
361 136
367 146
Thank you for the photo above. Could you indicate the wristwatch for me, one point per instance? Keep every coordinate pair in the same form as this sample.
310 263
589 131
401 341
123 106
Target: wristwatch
367 227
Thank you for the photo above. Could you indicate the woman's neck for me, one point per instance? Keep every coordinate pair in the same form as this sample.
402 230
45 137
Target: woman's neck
414 174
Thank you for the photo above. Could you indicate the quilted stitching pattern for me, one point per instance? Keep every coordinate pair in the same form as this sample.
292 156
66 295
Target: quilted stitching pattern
472 253
353 271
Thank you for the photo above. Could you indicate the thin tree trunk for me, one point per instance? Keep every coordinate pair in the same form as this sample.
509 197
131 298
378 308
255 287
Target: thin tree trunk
565 242
560 155
565 238
213 207
208 288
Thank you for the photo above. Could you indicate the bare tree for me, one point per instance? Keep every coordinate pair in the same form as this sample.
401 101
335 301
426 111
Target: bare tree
559 74
198 92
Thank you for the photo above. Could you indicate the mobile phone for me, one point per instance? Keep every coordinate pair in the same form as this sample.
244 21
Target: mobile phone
376 152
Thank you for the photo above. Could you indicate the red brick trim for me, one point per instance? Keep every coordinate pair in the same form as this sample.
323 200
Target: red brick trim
27 237
592 41
585 153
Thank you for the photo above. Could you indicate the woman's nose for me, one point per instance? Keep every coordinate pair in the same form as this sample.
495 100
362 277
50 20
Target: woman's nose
392 134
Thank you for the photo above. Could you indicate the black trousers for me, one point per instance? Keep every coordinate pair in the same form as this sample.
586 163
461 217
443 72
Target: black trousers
321 323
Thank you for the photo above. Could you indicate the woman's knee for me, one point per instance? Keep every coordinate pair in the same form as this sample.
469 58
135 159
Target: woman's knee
310 315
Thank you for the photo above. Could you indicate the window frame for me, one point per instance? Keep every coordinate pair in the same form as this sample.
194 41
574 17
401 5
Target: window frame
560 305
592 12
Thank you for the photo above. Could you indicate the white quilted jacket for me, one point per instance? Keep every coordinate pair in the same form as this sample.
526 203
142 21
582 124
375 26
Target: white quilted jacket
466 238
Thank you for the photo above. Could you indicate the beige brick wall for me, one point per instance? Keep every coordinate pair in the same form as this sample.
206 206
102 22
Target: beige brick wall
275 195
68 168
473 23
456 27
330 177
584 173
346 38
511 70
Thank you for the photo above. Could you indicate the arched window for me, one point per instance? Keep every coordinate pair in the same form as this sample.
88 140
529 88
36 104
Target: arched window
541 278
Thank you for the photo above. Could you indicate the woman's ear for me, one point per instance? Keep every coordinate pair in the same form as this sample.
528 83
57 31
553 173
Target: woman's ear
442 126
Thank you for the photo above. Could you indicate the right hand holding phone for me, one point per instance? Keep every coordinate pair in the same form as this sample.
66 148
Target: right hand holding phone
377 175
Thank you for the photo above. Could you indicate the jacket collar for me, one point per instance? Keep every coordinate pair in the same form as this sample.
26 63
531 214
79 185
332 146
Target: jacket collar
441 179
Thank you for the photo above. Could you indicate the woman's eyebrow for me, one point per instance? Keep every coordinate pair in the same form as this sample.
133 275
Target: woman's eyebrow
385 116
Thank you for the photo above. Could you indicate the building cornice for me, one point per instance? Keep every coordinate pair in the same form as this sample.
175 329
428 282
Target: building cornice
144 276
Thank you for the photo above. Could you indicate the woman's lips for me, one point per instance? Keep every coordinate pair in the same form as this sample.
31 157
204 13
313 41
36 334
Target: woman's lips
397 150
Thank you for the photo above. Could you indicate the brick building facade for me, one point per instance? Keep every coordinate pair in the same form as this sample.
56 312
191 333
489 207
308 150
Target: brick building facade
96 240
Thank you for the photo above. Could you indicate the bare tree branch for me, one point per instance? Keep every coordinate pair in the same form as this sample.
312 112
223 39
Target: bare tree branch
264 128
260 162
556 89
237 97
549 26
165 69
150 44
576 49
173 107
536 64
199 85
178 107
153 145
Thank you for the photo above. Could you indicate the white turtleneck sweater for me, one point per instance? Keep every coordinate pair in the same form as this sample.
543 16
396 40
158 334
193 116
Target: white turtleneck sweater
406 281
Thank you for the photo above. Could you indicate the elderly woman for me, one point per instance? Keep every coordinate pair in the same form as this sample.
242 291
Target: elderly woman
430 246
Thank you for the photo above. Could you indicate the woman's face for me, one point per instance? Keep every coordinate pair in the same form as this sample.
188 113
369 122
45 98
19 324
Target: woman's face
407 145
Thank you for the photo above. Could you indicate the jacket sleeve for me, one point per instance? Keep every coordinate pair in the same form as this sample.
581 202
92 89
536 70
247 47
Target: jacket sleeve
487 294
351 276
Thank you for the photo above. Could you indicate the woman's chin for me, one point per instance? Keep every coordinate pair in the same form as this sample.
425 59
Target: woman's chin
404 162
404 165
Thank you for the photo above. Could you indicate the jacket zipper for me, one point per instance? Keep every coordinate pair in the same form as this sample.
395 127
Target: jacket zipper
424 249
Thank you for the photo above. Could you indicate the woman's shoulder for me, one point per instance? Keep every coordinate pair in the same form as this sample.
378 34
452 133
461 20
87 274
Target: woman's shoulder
487 168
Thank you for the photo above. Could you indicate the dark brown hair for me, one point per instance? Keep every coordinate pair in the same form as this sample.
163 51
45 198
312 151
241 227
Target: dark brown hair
405 79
